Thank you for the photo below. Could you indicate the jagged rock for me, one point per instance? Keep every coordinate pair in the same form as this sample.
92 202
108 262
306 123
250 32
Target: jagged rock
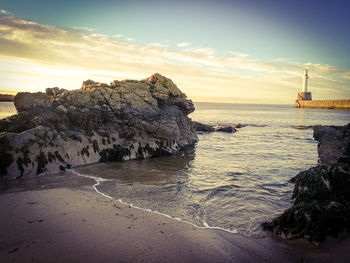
54 92
124 120
321 196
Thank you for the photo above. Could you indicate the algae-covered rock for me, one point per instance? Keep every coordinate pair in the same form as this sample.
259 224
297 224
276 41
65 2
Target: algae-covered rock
321 196
124 120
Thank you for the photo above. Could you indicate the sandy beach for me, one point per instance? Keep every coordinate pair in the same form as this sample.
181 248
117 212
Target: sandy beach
63 219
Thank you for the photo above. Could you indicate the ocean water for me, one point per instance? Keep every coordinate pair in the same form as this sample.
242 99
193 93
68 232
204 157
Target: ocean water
7 109
232 181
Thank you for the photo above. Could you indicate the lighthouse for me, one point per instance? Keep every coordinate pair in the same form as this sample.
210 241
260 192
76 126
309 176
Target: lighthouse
305 80
305 94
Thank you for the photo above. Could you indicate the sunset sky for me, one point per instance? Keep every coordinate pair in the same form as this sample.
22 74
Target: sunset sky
224 51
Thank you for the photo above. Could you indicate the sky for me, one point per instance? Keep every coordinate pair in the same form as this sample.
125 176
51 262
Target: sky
245 51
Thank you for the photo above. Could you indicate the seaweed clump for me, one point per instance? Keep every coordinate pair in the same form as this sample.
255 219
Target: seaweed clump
6 158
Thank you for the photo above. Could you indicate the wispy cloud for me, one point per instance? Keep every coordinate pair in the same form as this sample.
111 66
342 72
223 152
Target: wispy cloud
4 12
83 28
34 56
157 45
183 44
238 54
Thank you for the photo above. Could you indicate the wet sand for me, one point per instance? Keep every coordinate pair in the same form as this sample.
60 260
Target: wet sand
62 219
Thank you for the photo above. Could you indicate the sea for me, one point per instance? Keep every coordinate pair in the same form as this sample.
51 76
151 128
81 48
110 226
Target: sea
232 181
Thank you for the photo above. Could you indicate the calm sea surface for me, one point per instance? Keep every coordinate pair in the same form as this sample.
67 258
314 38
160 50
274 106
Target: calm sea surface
7 109
234 181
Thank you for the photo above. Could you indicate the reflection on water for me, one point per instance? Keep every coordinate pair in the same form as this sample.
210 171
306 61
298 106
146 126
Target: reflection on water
7 109
301 117
152 171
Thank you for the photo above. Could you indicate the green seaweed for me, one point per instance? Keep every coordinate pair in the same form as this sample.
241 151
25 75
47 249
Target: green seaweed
42 162
95 146
23 161
59 157
75 137
85 151
51 157
6 158
117 153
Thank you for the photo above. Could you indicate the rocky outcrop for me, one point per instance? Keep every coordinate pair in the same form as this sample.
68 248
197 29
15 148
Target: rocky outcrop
321 197
125 120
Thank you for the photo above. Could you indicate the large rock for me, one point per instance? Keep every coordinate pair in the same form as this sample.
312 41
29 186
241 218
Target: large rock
321 197
125 120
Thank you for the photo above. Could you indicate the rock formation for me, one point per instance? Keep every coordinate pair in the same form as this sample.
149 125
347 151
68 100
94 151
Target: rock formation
125 120
321 197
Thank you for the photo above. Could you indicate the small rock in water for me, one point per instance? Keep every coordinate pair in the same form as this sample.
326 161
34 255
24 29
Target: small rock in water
229 129
202 127
237 126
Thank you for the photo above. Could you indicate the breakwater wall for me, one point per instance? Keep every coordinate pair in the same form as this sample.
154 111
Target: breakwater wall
323 104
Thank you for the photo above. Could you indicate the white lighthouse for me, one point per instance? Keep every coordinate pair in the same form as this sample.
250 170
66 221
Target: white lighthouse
305 80
305 94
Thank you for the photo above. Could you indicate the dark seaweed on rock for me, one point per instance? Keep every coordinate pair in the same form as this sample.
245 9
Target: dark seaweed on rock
321 196
125 120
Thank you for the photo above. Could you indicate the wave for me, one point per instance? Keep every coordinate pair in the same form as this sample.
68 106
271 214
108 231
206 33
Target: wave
99 180
301 127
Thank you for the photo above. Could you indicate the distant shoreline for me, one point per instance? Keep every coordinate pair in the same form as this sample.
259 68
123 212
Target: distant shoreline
6 98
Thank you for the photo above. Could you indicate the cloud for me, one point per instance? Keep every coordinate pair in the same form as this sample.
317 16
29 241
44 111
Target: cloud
238 54
157 45
34 56
83 28
202 51
183 44
4 12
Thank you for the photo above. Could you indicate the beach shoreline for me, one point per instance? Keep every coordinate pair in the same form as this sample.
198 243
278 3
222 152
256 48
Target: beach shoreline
61 218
